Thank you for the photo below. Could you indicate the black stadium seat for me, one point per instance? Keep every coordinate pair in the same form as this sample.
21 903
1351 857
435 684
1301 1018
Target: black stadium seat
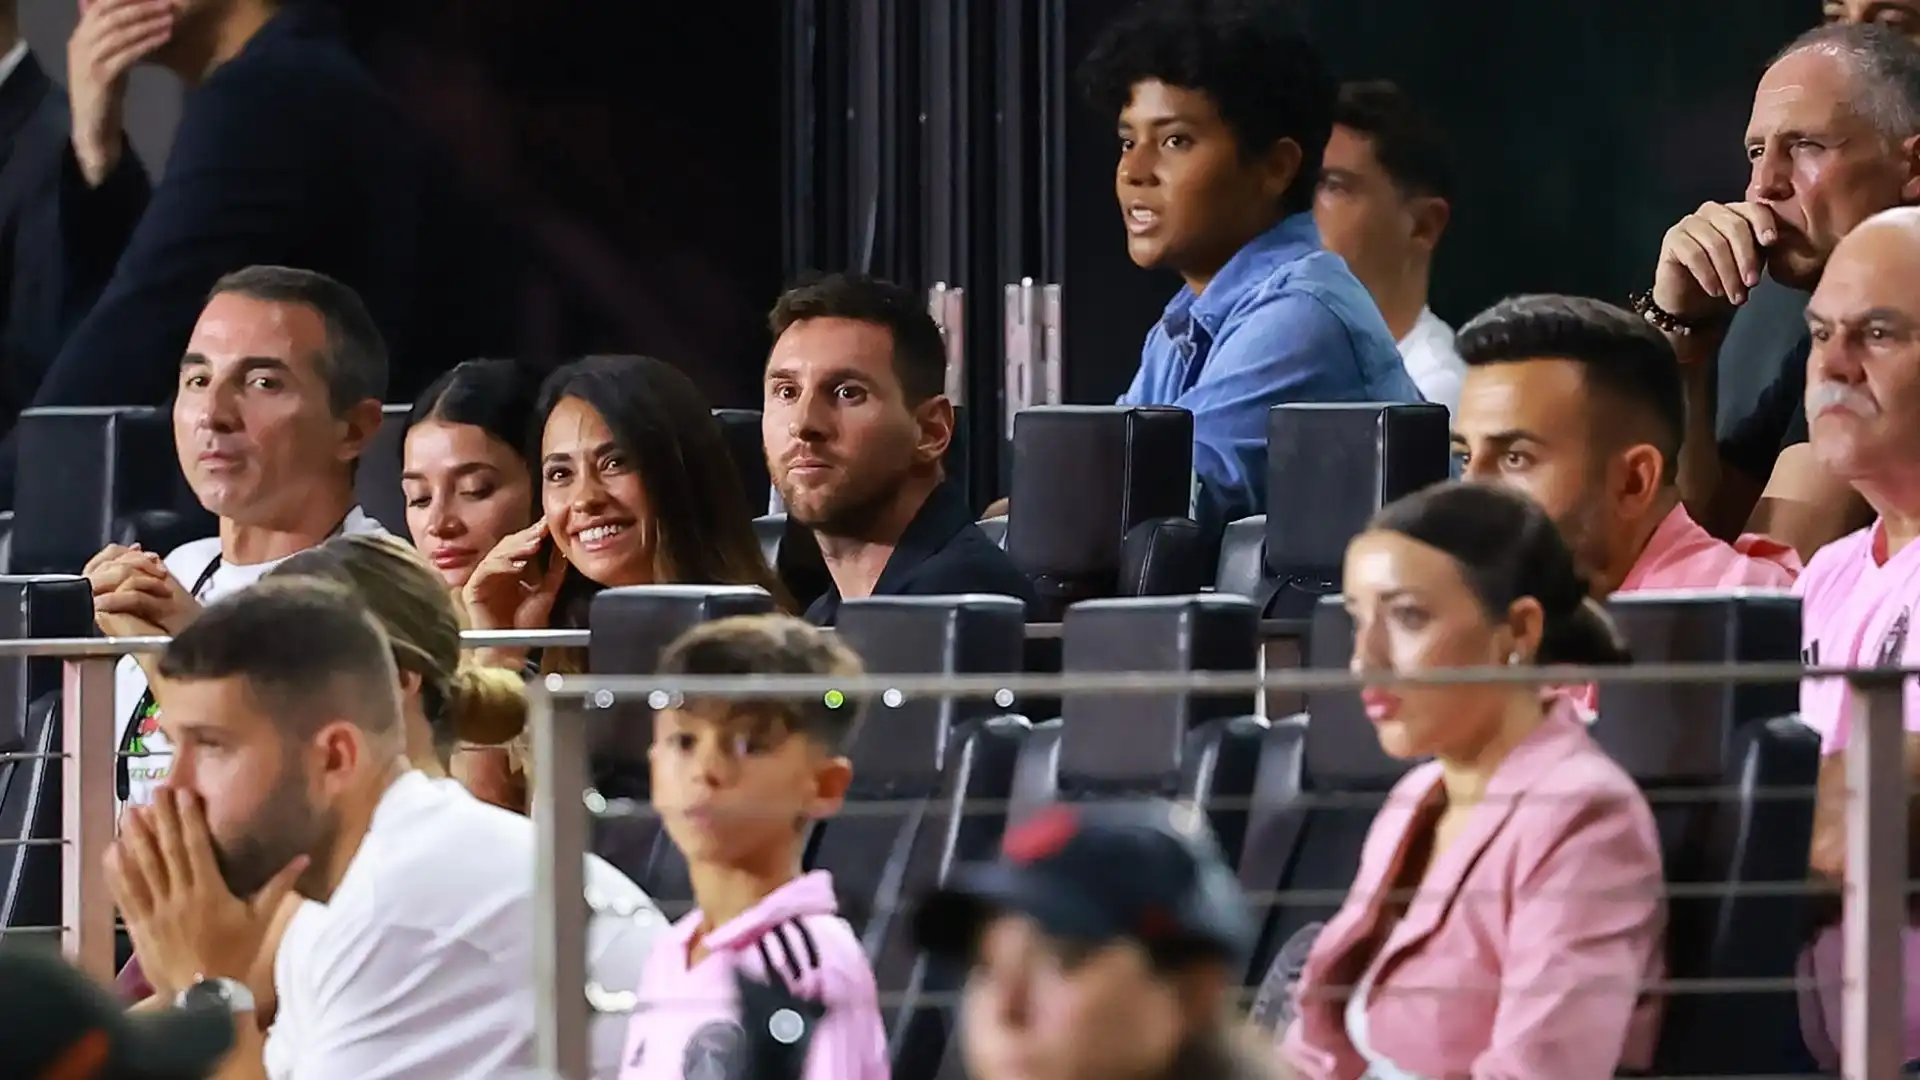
1084 478
1313 803
30 807
631 628
94 476
742 430
1241 570
996 529
1700 627
1729 776
1329 468
770 529
377 479
1200 747
922 772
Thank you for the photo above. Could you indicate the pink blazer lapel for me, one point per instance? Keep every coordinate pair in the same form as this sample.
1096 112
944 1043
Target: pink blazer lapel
1561 735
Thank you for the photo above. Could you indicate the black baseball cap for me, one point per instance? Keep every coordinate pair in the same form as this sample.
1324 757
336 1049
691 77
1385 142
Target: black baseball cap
1148 870
47 1007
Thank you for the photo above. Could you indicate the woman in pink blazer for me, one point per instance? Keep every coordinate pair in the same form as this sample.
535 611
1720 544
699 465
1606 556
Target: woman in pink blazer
1508 909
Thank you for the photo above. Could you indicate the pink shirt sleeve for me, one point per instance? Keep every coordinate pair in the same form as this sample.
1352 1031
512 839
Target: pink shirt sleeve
850 1042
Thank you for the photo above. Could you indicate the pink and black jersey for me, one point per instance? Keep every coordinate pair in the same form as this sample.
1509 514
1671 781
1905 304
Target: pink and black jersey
686 1025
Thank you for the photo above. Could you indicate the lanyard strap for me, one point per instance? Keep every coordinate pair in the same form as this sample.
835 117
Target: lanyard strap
123 776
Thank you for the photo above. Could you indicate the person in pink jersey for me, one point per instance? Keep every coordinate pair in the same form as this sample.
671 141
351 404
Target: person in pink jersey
1858 593
737 784
1578 404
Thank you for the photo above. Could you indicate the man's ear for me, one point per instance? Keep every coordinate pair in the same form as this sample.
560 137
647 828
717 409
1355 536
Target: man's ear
934 418
1430 217
1282 166
358 425
1642 472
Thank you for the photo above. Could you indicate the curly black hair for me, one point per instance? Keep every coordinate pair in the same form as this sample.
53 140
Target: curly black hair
1249 57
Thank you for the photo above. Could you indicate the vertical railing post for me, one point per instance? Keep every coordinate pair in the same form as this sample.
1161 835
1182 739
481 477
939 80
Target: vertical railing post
87 747
560 905
1874 1008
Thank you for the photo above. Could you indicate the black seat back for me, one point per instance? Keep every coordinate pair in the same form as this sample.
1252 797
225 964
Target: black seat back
95 477
376 480
1702 627
1166 744
1083 476
1329 468
1242 569
742 430
30 803
922 774
1730 787
1314 801
631 627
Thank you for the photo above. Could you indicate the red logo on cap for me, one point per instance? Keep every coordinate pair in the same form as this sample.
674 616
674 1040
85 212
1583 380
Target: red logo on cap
1041 836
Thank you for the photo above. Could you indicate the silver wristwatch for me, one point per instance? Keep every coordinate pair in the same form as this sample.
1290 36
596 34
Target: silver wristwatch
230 995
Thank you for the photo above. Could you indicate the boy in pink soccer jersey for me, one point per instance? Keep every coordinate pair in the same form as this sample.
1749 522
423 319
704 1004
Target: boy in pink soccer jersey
737 783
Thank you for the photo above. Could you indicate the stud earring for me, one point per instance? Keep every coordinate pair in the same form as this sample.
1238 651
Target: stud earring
1513 658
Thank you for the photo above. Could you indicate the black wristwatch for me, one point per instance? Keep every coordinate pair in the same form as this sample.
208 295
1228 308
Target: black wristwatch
228 995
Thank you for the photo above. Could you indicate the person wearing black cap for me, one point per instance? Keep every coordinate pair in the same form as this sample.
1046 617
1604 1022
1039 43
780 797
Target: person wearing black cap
55 1024
1107 942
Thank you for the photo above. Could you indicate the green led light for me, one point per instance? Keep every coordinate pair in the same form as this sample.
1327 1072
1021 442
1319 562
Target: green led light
835 699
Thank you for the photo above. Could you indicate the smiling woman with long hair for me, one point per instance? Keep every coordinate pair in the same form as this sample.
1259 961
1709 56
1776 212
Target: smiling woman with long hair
636 487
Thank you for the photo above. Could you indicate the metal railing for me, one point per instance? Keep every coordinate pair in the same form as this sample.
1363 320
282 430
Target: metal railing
89 746
563 808
1876 815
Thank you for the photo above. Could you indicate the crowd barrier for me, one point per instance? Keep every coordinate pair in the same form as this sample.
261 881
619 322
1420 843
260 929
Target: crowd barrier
566 809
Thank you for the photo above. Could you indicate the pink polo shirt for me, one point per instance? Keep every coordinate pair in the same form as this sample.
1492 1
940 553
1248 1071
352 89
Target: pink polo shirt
1682 555
1855 607
687 1024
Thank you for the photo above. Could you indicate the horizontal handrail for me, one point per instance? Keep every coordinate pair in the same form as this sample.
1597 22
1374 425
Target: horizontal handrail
600 690
99 648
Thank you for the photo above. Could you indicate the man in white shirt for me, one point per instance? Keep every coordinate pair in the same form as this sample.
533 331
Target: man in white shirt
415 957
279 393
1384 200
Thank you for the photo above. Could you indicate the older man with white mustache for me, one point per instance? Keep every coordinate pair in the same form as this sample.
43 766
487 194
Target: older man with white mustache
1859 592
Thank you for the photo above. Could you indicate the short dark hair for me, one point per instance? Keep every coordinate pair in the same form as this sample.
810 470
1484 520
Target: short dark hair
774 645
308 650
354 363
1886 65
1249 57
919 352
1409 145
1621 356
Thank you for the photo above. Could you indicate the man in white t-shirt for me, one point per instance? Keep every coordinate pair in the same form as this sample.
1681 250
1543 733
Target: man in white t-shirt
415 956
279 393
1383 202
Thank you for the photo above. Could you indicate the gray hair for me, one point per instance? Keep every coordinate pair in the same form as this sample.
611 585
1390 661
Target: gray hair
1886 69
354 363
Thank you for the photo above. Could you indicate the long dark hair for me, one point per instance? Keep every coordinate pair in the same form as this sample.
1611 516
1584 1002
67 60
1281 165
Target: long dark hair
658 417
496 396
1507 548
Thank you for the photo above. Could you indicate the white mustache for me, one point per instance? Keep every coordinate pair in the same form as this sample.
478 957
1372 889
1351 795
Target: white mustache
1826 395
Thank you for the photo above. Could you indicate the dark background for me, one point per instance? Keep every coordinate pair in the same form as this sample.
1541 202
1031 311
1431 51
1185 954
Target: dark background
675 163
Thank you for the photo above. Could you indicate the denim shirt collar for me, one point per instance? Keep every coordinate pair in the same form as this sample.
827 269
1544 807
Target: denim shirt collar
1295 237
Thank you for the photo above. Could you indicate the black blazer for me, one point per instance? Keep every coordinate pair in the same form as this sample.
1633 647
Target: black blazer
290 154
55 254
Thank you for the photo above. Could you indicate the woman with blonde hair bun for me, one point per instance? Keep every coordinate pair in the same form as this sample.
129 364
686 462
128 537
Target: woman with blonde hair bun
451 707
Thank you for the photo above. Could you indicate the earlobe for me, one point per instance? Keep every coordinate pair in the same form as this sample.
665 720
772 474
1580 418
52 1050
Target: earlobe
1284 167
935 420
359 423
